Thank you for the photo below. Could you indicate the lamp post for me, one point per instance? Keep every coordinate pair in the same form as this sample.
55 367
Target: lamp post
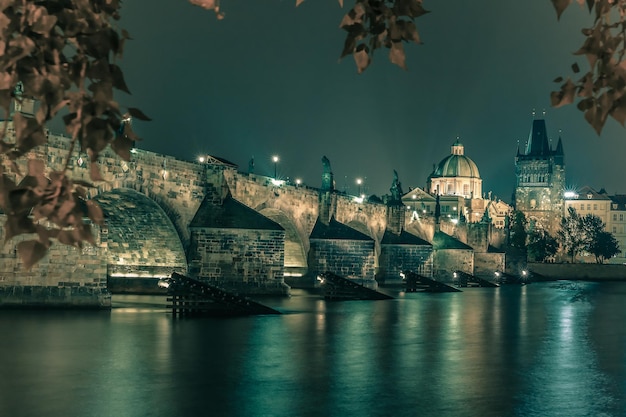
275 159
359 181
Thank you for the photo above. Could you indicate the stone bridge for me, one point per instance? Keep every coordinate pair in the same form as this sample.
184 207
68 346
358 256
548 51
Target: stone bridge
166 215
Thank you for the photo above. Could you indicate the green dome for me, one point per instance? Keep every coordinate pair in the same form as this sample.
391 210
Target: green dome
456 165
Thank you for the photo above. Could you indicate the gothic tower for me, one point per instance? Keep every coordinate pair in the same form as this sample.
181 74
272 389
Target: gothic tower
540 180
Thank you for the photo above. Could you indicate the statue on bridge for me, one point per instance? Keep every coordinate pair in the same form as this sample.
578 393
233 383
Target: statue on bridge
396 189
328 183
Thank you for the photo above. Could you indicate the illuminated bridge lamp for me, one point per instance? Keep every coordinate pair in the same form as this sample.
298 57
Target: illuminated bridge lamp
275 160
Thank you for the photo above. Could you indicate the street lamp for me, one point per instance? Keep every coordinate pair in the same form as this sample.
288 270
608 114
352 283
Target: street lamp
359 181
275 159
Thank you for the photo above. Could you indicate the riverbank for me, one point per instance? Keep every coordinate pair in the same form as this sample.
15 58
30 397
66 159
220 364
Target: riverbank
581 272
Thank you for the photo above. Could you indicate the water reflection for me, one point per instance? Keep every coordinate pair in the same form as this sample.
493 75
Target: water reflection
537 350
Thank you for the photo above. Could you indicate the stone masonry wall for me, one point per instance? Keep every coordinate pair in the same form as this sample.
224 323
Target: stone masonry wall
397 258
347 258
66 277
249 261
477 234
486 264
446 261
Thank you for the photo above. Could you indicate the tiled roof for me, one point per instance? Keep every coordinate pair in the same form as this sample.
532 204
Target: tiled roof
444 241
231 215
404 238
336 230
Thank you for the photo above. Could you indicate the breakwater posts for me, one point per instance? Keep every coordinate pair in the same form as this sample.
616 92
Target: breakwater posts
463 279
190 297
502 278
335 287
418 283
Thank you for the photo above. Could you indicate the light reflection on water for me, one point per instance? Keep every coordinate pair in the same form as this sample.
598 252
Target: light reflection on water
552 349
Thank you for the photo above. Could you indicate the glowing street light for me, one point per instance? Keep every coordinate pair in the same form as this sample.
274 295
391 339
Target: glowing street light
359 181
298 181
275 159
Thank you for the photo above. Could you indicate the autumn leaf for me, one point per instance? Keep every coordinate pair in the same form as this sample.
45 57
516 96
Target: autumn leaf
396 54
16 225
94 172
63 211
31 252
565 96
122 146
95 213
118 79
138 114
618 112
66 237
206 4
560 6
410 8
361 58
36 167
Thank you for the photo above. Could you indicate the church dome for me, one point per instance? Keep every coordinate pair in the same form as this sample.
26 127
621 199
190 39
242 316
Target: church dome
456 165
456 175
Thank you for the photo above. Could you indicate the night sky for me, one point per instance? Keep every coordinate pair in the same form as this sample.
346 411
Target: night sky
267 80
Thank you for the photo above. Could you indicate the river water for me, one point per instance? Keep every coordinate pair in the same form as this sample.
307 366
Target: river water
545 349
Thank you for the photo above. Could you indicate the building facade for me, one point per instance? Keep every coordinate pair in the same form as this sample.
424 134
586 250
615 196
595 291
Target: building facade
455 184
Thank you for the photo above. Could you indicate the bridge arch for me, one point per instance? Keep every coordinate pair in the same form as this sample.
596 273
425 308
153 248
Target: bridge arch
140 237
296 247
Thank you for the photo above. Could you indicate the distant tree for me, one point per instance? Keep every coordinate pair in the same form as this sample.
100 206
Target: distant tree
541 245
570 235
598 241
518 232
591 226
604 246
